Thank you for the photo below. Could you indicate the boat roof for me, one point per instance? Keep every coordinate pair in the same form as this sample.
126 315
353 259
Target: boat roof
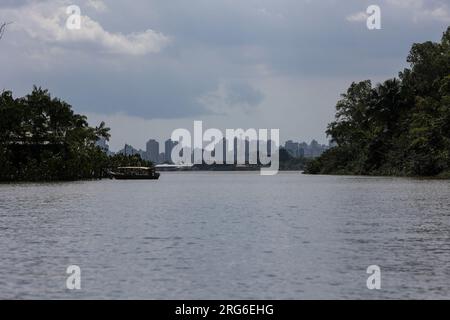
141 168
165 165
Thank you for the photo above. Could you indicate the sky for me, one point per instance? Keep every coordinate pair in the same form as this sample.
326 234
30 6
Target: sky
147 68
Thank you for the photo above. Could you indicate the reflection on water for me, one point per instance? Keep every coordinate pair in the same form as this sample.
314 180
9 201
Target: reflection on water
227 236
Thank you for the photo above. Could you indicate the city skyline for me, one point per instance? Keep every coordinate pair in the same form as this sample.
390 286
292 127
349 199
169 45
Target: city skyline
157 154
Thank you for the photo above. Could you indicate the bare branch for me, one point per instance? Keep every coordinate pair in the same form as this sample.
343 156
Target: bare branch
3 28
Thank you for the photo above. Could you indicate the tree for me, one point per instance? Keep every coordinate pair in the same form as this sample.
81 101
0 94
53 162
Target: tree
41 138
398 127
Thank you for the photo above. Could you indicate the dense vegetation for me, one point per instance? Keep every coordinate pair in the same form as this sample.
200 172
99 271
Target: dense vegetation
42 139
290 163
399 127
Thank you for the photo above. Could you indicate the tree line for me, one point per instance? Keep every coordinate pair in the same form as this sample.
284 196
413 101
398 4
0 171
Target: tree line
398 127
43 139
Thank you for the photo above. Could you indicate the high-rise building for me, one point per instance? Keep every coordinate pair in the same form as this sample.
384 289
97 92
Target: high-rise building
129 151
224 150
316 149
293 148
102 144
152 151
169 144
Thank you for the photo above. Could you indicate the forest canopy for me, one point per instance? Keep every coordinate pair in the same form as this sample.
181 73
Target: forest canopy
398 127
42 139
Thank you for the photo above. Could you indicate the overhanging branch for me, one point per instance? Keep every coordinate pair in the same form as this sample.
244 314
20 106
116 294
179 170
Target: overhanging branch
3 28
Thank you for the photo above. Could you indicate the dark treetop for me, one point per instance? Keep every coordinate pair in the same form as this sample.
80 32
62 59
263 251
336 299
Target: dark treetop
399 127
42 139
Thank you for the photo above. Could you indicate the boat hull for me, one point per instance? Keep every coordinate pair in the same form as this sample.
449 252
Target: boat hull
135 177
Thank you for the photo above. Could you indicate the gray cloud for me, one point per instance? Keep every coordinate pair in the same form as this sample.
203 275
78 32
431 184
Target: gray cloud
238 94
13 3
181 59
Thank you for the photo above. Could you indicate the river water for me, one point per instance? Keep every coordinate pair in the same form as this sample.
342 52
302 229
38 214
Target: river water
231 235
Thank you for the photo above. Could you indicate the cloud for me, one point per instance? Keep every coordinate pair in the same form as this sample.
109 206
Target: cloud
243 94
357 17
45 22
424 10
98 5
417 4
418 10
440 13
231 96
243 62
13 3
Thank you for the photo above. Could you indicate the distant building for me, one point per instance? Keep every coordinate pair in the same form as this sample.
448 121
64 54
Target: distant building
303 149
169 144
102 144
293 148
301 152
152 151
128 150
223 144
316 149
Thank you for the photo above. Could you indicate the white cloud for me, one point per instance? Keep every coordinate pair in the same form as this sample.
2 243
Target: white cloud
420 10
440 13
45 22
415 4
424 10
98 5
357 17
